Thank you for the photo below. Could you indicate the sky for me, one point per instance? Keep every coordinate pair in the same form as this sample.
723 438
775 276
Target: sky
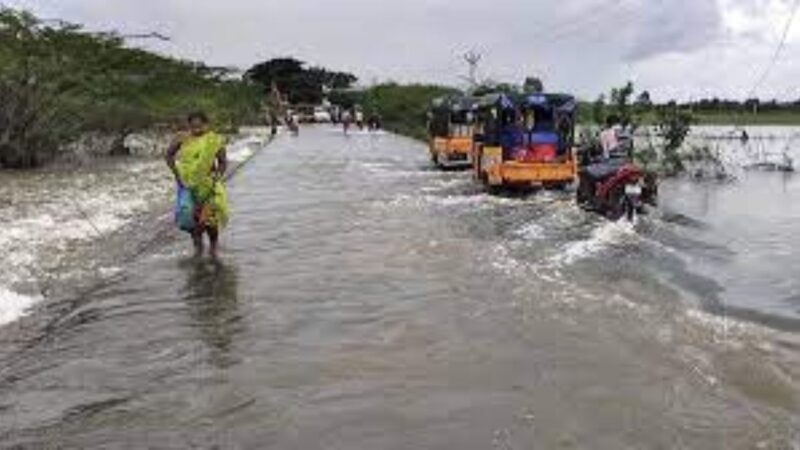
676 49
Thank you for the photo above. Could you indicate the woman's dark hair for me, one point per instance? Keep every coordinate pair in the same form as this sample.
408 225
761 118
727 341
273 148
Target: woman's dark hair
612 120
197 115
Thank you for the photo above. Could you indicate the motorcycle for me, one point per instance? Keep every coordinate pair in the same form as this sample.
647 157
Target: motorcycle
616 188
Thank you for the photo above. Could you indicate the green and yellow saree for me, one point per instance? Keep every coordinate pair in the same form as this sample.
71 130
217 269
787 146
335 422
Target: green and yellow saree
196 163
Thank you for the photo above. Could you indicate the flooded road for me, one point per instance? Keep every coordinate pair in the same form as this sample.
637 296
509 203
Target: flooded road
366 301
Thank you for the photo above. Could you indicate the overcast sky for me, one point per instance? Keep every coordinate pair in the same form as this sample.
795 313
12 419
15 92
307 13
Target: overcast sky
674 48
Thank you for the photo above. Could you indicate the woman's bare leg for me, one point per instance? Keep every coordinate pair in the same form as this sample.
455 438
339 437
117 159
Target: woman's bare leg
197 239
213 237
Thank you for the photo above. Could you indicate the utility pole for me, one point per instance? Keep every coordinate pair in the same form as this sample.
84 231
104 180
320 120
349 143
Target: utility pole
473 58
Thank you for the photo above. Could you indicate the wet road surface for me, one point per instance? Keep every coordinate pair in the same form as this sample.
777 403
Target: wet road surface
366 301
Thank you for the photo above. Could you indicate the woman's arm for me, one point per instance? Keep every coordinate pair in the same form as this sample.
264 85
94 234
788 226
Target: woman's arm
172 154
222 163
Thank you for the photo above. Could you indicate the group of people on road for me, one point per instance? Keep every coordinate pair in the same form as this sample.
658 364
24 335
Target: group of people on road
348 119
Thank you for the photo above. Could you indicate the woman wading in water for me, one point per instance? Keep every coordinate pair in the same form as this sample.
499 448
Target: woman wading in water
198 160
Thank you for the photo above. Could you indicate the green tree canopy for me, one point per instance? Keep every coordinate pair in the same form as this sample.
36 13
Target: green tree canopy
621 102
303 85
533 85
58 81
404 108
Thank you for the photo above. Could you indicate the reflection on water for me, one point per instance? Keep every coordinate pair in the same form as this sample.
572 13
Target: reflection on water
755 220
211 294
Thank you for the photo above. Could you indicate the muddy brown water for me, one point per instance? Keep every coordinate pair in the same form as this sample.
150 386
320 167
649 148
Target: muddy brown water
366 301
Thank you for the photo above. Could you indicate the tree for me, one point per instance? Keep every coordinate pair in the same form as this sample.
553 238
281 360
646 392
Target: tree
301 84
674 125
58 81
620 102
599 110
752 105
332 80
533 85
643 102
404 108
483 89
493 87
346 98
280 71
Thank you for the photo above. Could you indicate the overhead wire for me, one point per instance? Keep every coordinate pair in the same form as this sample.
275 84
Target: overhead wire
739 116
630 9
623 10
756 85
778 50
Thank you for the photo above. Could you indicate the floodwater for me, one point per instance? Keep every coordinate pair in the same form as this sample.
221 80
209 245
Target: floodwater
55 224
366 301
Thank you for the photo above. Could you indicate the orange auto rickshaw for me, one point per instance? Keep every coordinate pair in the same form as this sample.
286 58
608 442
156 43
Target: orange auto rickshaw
450 129
525 141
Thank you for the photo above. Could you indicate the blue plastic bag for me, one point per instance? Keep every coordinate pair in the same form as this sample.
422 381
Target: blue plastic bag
184 209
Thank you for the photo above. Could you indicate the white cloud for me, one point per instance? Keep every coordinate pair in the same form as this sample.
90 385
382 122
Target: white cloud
675 48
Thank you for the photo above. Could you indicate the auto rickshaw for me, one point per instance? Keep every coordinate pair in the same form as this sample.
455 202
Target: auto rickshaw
450 130
526 141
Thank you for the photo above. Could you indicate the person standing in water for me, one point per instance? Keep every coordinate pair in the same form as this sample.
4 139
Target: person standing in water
273 124
291 123
198 160
346 121
359 118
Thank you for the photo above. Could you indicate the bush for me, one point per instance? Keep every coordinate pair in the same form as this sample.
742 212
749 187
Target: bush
58 82
673 125
404 108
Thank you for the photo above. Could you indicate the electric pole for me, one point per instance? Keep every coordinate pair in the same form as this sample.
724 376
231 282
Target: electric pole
473 58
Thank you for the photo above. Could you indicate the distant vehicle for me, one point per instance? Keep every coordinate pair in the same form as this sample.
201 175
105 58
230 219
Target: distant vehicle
526 141
450 130
322 115
291 116
305 113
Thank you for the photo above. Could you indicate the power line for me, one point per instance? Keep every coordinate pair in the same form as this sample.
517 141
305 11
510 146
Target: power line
587 26
621 9
760 80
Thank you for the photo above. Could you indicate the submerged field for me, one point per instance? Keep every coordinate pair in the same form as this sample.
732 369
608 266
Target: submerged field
765 118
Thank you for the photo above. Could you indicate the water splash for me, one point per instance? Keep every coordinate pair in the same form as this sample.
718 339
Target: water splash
13 306
604 236
51 217
531 232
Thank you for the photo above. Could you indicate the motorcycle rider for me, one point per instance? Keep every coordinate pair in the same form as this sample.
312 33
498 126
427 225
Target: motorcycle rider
610 136
597 168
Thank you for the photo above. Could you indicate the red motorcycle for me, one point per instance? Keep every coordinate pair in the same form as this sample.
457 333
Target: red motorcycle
616 188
